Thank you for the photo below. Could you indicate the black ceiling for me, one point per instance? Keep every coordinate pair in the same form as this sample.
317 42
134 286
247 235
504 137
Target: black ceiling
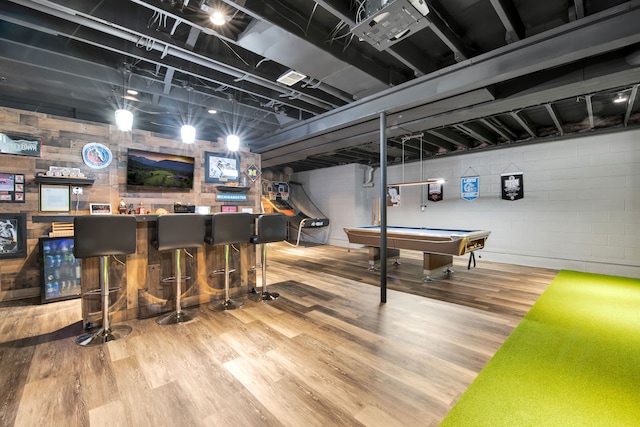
468 75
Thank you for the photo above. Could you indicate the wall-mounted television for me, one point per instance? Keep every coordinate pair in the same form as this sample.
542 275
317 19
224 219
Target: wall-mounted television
146 169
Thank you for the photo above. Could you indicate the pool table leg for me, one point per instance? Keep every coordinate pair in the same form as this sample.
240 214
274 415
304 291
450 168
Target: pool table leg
436 264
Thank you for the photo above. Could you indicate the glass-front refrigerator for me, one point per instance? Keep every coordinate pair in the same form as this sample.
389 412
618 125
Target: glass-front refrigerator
60 270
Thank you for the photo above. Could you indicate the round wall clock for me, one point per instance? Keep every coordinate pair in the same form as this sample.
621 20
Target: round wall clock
96 156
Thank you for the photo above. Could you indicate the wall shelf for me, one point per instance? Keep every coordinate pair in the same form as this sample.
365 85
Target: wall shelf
232 189
64 180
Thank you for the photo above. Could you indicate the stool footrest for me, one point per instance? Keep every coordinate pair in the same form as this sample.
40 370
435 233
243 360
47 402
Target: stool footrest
173 279
99 291
221 271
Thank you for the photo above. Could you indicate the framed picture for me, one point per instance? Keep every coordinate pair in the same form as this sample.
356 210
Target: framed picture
229 208
11 188
99 208
13 235
220 168
55 198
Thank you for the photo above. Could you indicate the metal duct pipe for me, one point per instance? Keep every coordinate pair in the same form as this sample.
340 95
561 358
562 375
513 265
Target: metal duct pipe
165 49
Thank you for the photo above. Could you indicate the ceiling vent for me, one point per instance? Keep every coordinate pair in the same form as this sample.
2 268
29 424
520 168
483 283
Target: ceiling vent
388 22
290 78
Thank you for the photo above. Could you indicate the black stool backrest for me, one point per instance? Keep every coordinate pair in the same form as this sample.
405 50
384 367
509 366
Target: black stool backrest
102 235
271 228
230 227
177 231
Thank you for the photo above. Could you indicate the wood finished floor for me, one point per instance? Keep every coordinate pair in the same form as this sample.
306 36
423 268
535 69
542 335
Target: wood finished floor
326 353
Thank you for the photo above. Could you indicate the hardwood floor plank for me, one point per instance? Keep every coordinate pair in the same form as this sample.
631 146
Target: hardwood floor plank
327 352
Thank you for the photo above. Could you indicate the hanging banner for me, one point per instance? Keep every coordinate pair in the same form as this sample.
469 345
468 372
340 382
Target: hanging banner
470 187
512 185
435 192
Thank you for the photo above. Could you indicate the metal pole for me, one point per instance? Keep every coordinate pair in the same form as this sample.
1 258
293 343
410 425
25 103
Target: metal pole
383 208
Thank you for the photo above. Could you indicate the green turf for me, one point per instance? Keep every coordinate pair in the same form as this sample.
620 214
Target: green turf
574 360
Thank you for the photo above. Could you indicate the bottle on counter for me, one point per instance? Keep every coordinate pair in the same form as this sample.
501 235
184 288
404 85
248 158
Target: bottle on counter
141 209
122 208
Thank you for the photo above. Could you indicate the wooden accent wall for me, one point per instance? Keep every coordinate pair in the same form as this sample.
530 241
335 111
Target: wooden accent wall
62 142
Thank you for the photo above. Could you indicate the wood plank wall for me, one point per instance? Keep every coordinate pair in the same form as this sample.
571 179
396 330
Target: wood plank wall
62 142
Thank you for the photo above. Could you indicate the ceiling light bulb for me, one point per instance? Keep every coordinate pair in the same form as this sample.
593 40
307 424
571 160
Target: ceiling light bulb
212 111
124 120
620 97
188 133
233 143
132 92
218 18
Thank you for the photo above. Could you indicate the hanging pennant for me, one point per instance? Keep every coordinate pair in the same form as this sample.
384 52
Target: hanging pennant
435 192
512 185
470 187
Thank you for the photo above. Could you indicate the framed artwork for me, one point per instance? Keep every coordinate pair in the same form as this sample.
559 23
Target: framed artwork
55 198
220 168
229 208
11 188
99 208
13 235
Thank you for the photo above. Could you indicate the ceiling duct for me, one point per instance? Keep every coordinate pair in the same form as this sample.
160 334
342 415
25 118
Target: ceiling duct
388 22
298 54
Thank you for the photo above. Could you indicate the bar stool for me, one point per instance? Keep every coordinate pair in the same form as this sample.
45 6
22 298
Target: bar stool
177 232
103 236
269 228
226 229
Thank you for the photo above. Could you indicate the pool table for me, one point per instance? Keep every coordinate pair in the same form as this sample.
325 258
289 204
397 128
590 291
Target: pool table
438 245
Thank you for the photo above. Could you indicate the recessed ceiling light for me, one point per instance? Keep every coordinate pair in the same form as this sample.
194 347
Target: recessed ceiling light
212 111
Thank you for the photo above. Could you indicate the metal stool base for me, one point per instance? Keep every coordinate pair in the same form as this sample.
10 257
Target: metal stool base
175 317
265 296
102 335
228 304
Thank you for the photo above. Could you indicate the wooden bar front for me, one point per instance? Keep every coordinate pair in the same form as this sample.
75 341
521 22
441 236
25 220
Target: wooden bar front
142 293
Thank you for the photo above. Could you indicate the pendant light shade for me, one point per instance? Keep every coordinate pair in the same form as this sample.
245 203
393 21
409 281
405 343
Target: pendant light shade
188 133
124 120
233 143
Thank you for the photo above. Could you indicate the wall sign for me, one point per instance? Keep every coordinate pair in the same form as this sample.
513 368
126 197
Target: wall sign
21 145
231 197
96 156
252 172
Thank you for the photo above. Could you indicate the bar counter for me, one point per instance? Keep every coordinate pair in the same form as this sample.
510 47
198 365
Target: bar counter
141 291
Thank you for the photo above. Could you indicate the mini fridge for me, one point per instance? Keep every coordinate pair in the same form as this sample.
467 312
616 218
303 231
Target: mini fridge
60 271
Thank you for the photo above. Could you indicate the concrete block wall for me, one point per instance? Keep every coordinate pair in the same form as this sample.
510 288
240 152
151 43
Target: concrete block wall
339 195
580 211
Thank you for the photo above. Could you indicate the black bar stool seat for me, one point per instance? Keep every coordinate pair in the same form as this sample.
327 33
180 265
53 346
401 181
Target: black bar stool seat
103 236
177 232
269 228
228 228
